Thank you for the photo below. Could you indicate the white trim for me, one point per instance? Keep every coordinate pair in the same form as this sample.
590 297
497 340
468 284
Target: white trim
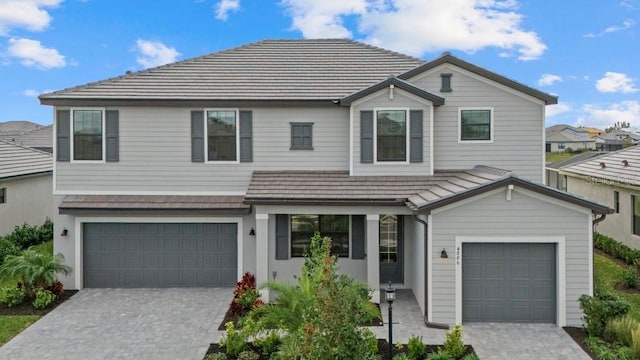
103 122
351 140
397 91
590 250
213 220
429 244
206 137
491 125
552 200
116 192
561 304
544 148
373 217
407 136
262 216
55 147
431 146
468 200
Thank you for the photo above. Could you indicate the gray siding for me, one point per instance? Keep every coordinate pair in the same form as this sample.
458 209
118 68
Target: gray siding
522 216
518 126
155 152
401 101
28 200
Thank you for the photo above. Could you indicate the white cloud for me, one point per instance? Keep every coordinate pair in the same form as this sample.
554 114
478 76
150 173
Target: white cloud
31 53
155 53
223 7
614 82
557 109
627 24
25 14
549 79
418 26
602 117
30 93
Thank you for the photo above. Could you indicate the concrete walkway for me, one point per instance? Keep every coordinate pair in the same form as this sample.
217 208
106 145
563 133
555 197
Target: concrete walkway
179 324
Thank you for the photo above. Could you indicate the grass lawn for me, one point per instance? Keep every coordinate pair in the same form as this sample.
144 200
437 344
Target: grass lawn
555 157
12 325
609 273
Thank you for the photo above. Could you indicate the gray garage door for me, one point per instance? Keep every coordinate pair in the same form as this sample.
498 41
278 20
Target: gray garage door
509 283
159 255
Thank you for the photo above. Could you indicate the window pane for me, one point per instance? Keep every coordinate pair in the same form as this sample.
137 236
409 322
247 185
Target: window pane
388 238
303 227
221 132
87 135
391 130
3 195
476 125
635 200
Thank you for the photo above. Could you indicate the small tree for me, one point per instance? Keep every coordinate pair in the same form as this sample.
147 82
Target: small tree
35 270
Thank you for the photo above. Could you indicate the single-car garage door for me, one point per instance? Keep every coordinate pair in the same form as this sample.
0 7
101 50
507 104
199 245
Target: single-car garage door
159 255
508 282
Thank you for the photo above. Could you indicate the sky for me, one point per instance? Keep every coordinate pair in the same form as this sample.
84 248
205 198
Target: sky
586 52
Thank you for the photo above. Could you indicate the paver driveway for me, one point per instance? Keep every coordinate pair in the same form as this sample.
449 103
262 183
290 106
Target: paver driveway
136 324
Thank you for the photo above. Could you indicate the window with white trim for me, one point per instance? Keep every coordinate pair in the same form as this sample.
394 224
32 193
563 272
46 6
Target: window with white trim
476 124
88 135
222 135
392 130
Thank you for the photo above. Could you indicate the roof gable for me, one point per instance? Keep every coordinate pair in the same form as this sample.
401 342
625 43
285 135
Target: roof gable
400 84
450 59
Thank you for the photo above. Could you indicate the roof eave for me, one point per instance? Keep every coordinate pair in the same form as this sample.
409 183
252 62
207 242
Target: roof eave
324 201
436 100
75 101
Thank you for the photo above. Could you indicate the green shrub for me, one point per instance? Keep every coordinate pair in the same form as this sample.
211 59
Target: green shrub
7 248
635 343
216 356
440 355
269 343
401 356
12 296
620 329
616 249
453 342
44 298
630 277
599 309
35 270
471 357
233 341
45 232
248 355
370 340
415 348
24 236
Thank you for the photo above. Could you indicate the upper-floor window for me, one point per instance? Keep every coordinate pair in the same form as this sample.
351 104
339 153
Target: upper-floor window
3 195
616 201
303 227
476 125
391 135
635 214
88 134
222 135
301 136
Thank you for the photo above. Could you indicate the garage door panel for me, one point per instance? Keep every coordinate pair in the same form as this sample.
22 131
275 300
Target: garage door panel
159 255
509 282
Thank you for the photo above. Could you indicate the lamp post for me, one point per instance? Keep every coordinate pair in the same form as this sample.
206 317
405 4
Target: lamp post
390 295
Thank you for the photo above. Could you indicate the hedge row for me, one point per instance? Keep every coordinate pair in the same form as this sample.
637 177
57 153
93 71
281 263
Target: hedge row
616 249
23 237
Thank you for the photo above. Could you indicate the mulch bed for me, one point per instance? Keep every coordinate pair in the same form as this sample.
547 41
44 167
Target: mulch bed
383 350
579 335
26 308
229 316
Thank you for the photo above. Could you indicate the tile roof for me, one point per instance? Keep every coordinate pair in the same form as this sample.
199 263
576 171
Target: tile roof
574 159
615 171
79 203
40 138
319 69
18 161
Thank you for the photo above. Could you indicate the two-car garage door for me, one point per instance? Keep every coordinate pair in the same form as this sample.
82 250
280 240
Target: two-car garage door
509 282
159 254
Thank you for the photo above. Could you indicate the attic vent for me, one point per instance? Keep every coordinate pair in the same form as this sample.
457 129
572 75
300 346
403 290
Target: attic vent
446 83
603 165
625 163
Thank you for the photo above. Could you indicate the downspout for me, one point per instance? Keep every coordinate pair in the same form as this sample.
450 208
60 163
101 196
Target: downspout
595 222
428 323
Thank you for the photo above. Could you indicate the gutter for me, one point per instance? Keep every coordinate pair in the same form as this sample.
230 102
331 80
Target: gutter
427 321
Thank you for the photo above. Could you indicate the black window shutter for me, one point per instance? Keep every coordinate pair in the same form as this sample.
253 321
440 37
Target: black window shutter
358 237
197 136
282 237
366 137
415 147
246 136
112 135
63 135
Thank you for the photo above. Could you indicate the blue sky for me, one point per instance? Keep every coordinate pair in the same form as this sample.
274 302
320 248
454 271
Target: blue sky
586 52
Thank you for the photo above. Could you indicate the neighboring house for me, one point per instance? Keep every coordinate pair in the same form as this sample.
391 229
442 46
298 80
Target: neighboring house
192 173
28 134
561 138
25 186
612 179
557 181
610 142
593 132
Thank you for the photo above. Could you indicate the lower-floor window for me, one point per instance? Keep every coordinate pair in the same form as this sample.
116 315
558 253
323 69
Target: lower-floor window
303 227
388 238
3 195
635 204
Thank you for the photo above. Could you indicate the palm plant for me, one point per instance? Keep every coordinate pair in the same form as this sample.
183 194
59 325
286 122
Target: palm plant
33 269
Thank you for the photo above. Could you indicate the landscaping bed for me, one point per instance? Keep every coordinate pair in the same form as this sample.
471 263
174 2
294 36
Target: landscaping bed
579 335
26 308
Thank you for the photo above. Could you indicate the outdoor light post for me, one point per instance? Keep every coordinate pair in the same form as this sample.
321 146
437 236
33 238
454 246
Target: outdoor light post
390 295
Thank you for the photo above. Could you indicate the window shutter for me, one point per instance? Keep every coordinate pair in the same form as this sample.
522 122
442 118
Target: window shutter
358 237
446 83
112 128
415 147
366 137
63 135
282 237
246 136
197 136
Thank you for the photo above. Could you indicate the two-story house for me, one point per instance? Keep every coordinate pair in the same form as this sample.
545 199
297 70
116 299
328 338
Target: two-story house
425 174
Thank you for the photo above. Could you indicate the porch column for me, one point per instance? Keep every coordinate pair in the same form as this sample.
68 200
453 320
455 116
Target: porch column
373 261
262 253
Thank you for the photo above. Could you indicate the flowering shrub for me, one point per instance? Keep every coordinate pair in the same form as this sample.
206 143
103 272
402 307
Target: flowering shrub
245 295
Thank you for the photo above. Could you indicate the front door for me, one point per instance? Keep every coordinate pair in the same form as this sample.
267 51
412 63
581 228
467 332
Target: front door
391 249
